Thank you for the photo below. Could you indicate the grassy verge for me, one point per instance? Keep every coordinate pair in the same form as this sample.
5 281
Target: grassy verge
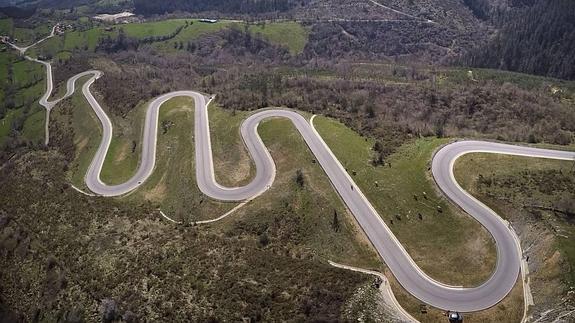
232 163
172 186
125 149
87 132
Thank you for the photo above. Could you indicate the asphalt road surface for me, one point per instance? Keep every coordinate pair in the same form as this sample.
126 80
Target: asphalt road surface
411 277
401 264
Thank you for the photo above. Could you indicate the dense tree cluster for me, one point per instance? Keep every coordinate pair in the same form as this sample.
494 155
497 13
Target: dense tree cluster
119 43
150 7
17 12
480 8
152 39
407 40
537 38
136 86
395 113
231 44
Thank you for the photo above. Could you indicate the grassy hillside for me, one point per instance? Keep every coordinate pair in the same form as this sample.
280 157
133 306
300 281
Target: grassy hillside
288 34
536 196
301 217
69 256
6 26
24 36
403 189
404 195
303 222
19 91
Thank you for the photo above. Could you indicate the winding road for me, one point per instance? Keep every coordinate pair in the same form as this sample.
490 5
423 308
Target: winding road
410 276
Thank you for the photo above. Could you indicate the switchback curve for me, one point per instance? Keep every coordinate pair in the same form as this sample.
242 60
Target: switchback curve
411 277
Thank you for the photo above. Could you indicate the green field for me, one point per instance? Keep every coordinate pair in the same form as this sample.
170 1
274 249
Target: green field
33 128
6 123
6 26
5 62
70 41
291 35
27 79
150 29
26 72
26 36
194 30
87 40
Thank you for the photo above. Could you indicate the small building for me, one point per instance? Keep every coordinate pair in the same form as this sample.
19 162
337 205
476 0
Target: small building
209 21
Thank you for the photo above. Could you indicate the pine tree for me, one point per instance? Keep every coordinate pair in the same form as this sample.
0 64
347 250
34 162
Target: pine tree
335 221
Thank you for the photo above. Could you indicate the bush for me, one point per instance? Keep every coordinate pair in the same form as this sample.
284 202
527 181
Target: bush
299 179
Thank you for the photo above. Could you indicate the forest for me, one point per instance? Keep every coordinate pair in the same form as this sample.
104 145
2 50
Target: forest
535 38
149 7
